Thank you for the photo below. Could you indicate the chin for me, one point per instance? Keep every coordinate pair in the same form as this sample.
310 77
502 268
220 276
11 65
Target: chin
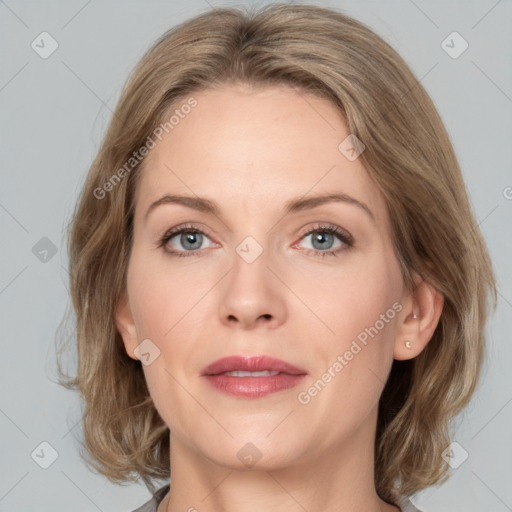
255 452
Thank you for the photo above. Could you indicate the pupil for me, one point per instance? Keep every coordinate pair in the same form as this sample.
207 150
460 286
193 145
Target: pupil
322 238
191 238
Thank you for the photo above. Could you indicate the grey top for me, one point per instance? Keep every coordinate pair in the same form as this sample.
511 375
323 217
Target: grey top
151 506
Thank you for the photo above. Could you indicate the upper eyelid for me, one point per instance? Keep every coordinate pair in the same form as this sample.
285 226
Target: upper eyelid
184 227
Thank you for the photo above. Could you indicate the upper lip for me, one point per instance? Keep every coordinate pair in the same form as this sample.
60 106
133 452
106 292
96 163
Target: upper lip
251 364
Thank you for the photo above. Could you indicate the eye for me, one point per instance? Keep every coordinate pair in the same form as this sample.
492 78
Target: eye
323 239
183 240
188 240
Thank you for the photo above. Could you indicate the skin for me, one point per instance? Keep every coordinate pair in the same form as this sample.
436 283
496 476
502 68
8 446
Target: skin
251 151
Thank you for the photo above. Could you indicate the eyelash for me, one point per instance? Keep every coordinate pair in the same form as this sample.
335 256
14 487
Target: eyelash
342 235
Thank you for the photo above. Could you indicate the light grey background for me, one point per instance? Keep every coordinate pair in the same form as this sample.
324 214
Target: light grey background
54 112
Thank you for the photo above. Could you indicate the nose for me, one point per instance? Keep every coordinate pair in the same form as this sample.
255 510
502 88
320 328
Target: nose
252 295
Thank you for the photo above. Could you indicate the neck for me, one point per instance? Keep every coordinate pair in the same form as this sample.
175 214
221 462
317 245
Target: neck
340 479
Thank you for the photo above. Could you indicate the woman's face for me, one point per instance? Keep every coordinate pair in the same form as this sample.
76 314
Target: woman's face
256 276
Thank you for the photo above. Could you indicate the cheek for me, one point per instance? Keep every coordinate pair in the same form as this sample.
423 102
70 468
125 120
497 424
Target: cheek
165 303
361 307
160 301
161 293
356 297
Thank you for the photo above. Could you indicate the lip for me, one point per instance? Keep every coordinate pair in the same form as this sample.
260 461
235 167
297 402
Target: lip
252 387
251 364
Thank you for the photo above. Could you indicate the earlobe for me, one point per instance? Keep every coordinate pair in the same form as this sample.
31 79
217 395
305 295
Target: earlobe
126 325
422 316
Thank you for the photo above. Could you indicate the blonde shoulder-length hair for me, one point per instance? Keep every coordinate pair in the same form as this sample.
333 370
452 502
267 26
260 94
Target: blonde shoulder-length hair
408 154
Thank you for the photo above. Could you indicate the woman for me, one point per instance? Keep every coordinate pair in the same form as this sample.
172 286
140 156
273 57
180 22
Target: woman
279 284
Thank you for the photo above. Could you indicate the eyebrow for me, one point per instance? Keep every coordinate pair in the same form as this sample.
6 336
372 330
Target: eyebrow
292 206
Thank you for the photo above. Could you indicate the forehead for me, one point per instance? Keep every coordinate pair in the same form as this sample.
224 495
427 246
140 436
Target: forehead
257 146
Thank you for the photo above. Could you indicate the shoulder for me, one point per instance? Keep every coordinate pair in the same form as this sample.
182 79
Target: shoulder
152 504
406 505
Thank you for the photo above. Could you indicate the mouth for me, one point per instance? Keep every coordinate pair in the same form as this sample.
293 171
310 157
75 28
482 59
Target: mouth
252 377
242 373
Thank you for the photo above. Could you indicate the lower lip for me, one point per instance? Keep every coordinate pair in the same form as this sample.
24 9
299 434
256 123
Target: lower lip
253 387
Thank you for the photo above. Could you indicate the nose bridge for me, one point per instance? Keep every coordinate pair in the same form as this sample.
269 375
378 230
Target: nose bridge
251 291
250 250
250 274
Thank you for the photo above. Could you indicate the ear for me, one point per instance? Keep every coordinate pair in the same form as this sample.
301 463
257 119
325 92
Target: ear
126 326
421 314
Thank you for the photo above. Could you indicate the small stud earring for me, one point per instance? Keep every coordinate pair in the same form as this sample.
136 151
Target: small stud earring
414 315
408 344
